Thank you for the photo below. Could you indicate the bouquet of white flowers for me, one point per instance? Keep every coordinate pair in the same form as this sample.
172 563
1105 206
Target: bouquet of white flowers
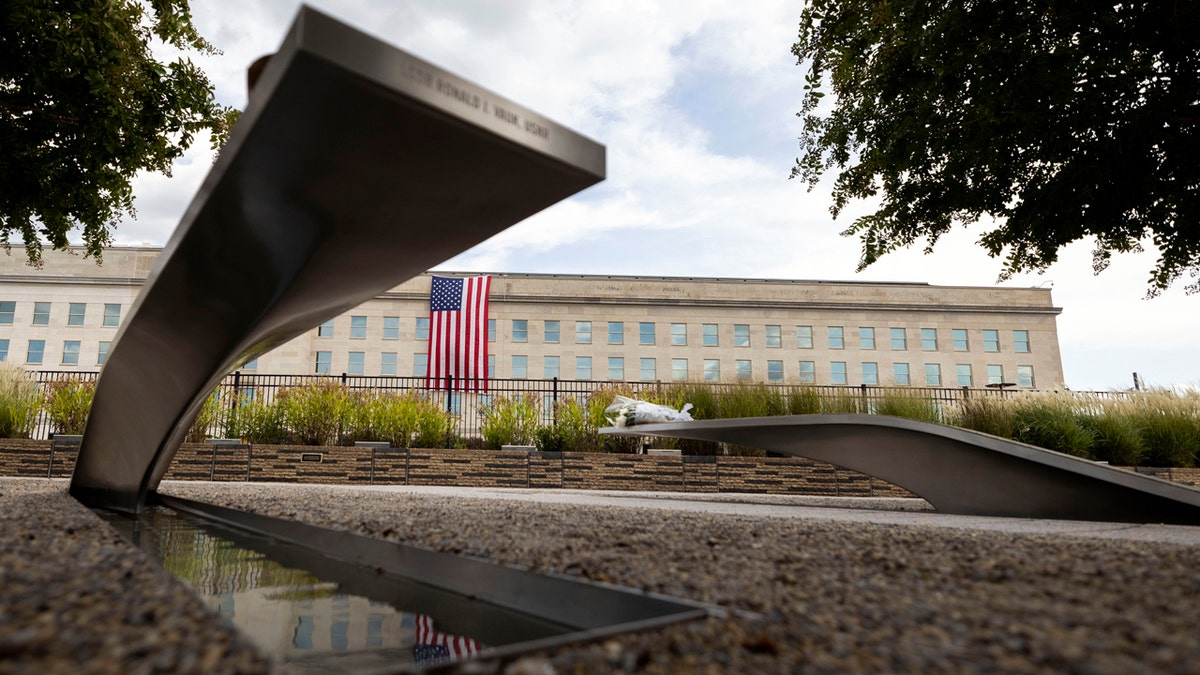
626 412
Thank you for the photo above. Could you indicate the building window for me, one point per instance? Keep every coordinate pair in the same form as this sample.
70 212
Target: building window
804 337
1025 376
391 327
358 327
959 336
870 373
325 329
616 367
995 373
741 369
75 313
645 333
421 365
929 339
741 335
712 370
324 363
1021 341
583 332
422 332
252 364
356 363
808 372
837 337
520 367
491 366
491 330
963 372
583 367
112 314
550 367
41 313
679 335
616 332
710 334
648 368
991 340
900 373
302 635
550 332
866 338
387 363
70 354
520 330
35 353
933 375
7 309
899 338
774 336
775 371
3 350
837 372
102 353
679 369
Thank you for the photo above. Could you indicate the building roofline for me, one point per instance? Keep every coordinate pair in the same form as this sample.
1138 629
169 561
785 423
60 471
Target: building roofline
635 277
632 277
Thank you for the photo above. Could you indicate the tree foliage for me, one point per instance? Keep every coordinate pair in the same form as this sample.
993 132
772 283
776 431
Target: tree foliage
1059 119
84 106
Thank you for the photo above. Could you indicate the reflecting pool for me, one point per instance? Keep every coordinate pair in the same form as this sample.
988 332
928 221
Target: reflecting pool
321 614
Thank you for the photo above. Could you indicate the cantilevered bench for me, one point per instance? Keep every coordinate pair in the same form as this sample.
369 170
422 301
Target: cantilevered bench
955 470
354 167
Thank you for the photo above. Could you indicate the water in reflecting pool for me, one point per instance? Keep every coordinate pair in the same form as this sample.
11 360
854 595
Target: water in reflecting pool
318 613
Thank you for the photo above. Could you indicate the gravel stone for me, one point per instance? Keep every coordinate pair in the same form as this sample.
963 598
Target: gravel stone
831 596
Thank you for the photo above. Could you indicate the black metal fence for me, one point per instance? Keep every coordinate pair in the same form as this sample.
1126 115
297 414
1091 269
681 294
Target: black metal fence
468 399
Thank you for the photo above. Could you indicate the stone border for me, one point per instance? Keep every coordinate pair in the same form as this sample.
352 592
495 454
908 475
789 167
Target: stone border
340 465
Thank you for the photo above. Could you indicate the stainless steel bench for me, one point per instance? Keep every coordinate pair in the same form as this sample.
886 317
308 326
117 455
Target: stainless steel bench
354 167
955 470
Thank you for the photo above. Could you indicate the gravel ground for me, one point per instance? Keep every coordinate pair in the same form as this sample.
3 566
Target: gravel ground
836 596
75 598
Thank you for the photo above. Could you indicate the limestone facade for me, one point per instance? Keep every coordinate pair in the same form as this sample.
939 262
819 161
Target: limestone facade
623 327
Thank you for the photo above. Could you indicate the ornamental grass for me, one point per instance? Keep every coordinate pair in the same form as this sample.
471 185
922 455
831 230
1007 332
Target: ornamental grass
19 402
511 420
67 403
913 405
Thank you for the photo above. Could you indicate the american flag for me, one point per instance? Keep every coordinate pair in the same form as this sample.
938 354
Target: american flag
458 340
433 647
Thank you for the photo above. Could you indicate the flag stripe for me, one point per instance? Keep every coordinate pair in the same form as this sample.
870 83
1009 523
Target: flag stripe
458 317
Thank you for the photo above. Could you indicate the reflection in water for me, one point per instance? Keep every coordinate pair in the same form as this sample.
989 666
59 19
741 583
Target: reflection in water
291 614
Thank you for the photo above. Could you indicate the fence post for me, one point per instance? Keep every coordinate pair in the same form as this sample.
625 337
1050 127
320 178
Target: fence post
966 393
554 404
863 393
449 407
234 400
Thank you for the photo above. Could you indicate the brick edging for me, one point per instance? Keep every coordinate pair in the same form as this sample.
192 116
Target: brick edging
489 468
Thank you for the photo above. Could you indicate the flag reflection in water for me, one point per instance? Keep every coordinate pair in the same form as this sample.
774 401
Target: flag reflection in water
433 647
289 613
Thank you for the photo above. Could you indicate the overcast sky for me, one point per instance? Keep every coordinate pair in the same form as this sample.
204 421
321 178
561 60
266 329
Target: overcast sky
695 101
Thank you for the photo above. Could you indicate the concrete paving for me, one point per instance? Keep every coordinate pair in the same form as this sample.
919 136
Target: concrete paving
886 511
